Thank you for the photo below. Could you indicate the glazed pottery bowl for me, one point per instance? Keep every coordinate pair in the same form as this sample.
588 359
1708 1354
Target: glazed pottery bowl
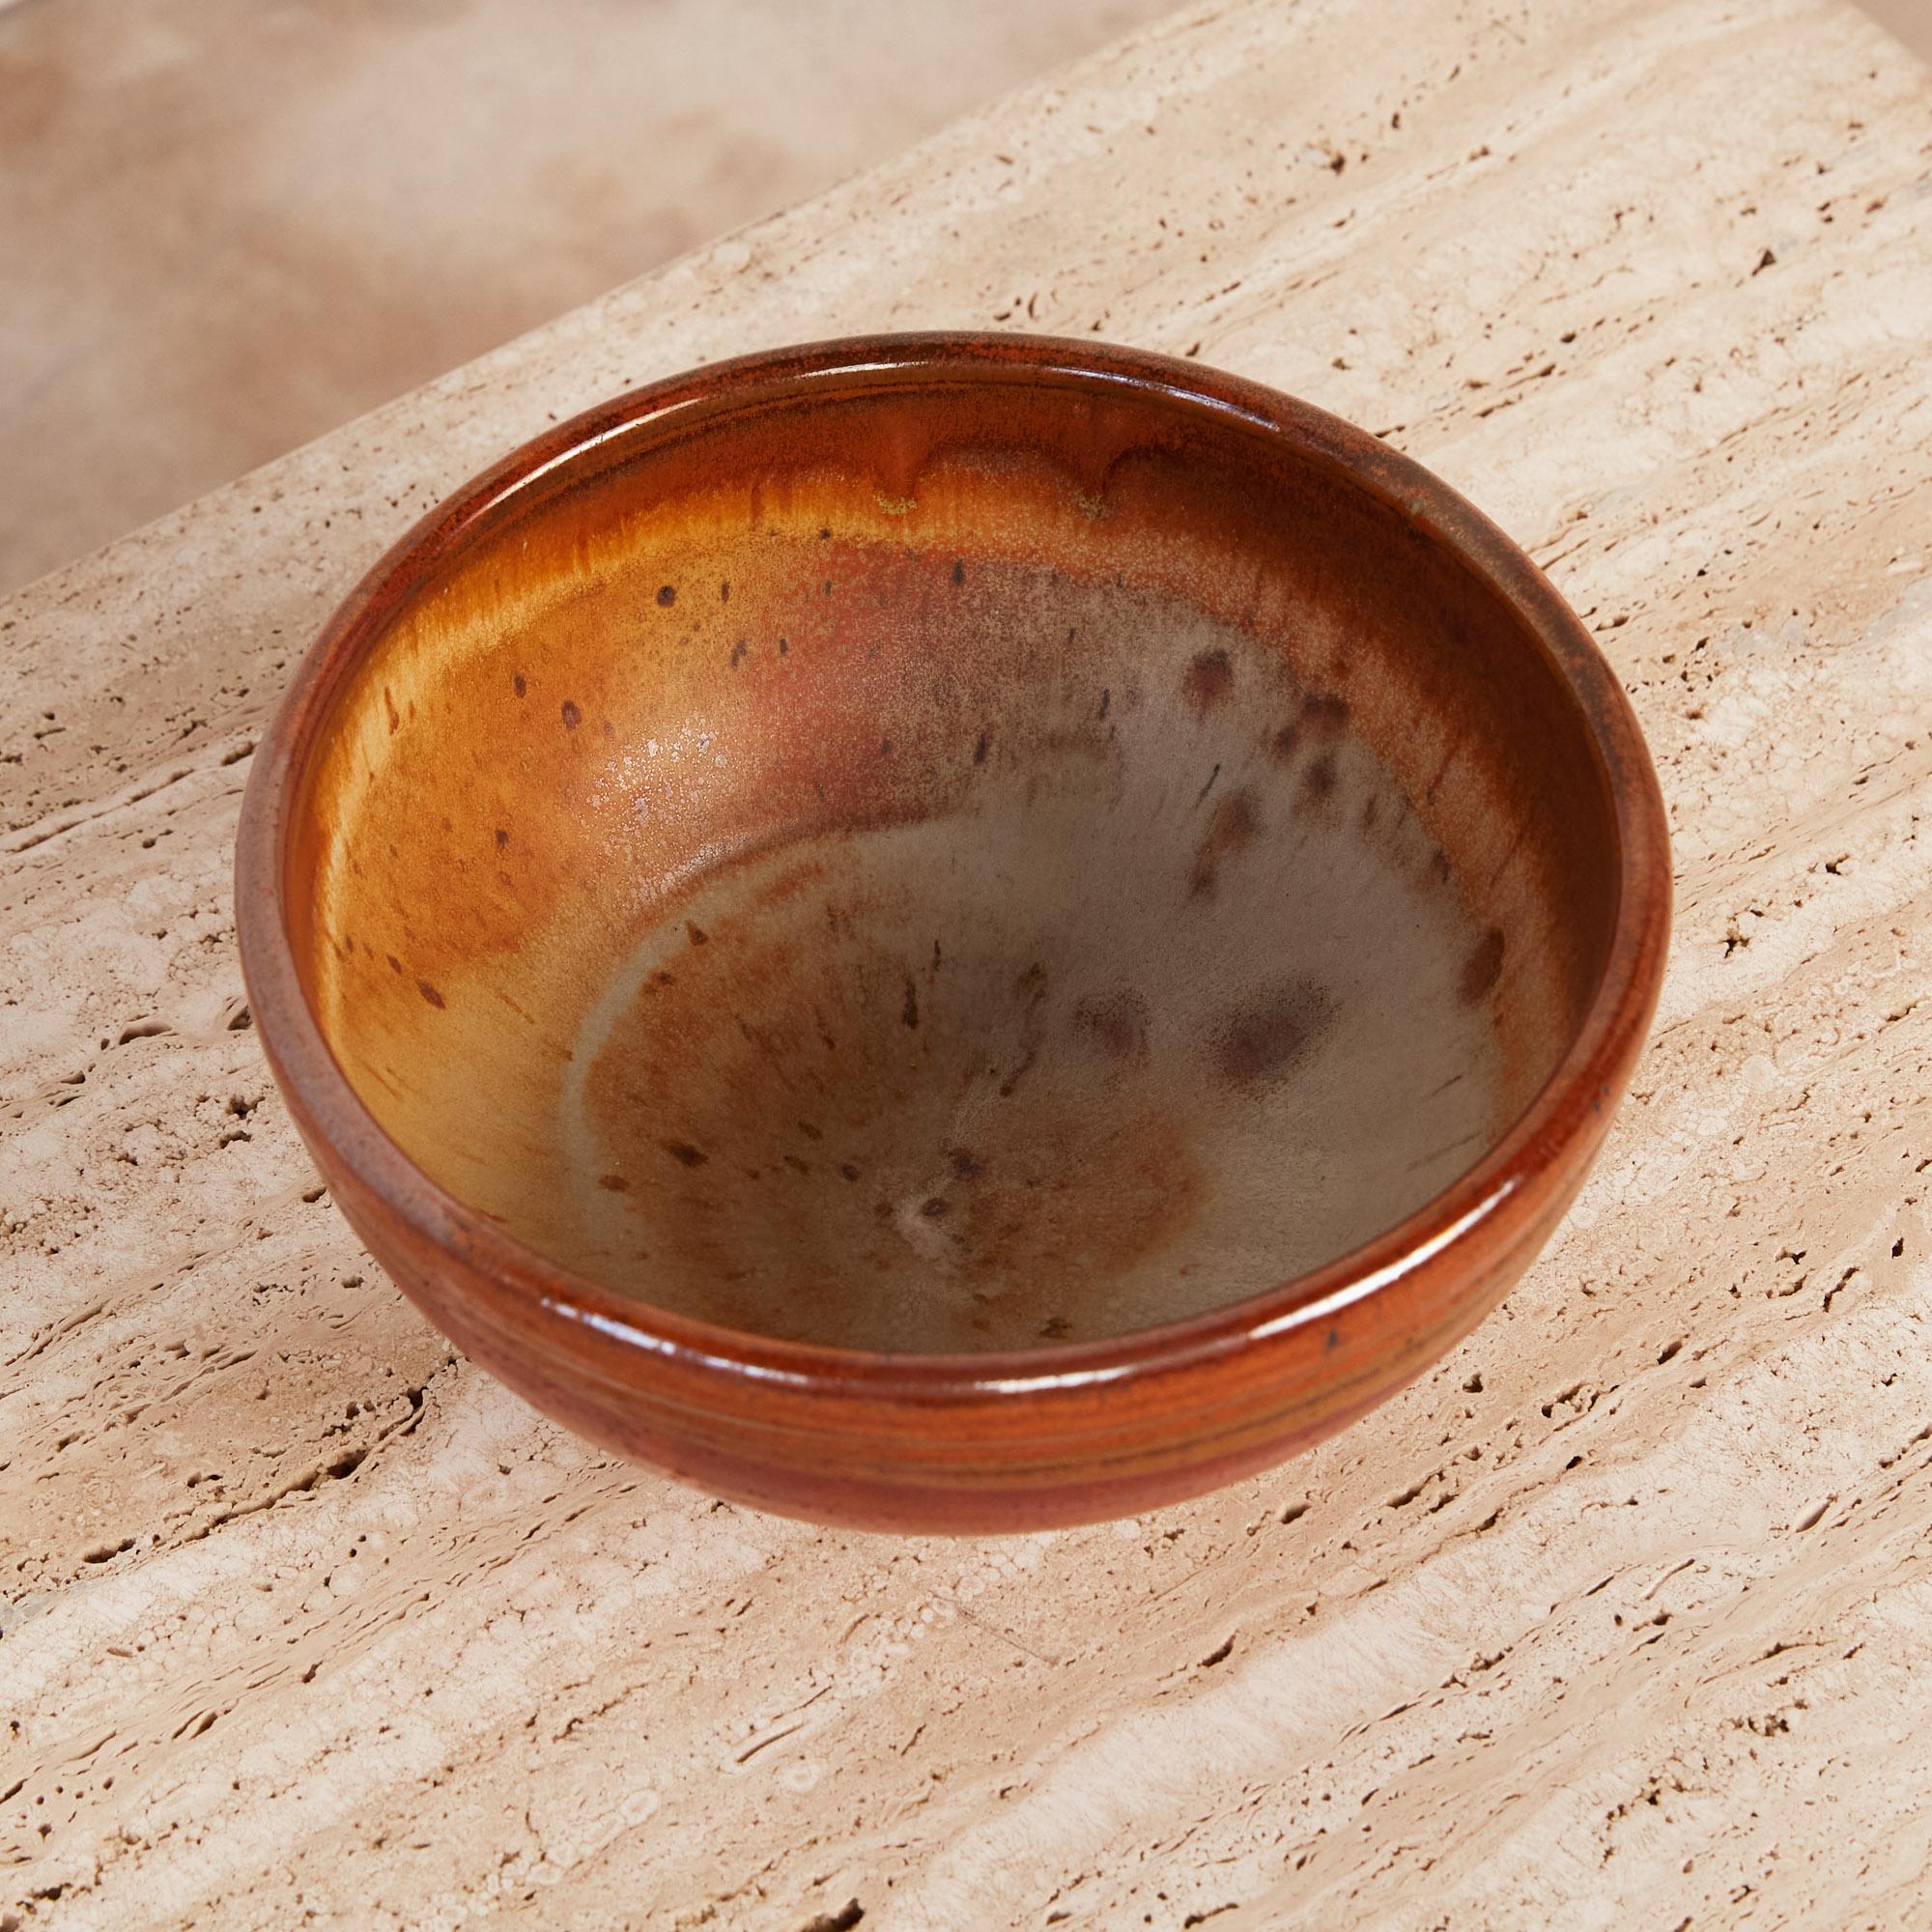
954 932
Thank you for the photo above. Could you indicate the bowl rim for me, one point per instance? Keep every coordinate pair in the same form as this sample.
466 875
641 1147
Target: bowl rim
1525 1171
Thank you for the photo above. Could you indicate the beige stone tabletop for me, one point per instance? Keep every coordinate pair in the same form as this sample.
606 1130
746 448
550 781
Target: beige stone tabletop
1621 1618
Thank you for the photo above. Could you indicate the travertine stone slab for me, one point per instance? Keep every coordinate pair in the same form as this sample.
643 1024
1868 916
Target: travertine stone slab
1622 1618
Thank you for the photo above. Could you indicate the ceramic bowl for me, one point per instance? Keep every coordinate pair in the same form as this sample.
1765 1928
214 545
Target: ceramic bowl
954 932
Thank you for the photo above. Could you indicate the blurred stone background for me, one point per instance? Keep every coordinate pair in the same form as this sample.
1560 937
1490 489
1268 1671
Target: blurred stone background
229 225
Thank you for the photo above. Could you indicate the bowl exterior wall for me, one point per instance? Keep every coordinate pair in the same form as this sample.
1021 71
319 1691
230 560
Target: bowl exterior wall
964 1462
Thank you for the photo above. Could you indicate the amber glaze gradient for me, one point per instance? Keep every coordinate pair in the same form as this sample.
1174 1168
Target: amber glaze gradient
1378 609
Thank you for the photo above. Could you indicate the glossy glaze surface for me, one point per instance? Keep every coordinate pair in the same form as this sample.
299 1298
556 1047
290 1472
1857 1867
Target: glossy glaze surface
953 934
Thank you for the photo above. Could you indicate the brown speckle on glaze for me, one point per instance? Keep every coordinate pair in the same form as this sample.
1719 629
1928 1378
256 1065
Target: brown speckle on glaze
389 706
696 933
613 1183
1116 1022
1318 782
1207 681
430 993
517 685
685 1152
959 570
502 837
1231 830
909 1012
572 716
1324 713
667 595
1272 1037
980 751
1482 969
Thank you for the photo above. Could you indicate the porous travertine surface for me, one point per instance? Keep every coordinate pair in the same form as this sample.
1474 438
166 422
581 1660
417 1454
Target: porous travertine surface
1621 1617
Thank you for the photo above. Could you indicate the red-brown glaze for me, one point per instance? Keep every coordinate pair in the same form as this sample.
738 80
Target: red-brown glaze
600 856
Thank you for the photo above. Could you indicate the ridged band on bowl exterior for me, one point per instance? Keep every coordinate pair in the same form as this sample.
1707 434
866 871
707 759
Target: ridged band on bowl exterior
994 1442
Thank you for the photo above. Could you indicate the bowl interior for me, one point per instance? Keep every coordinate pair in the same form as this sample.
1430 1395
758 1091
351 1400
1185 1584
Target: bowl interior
948 859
